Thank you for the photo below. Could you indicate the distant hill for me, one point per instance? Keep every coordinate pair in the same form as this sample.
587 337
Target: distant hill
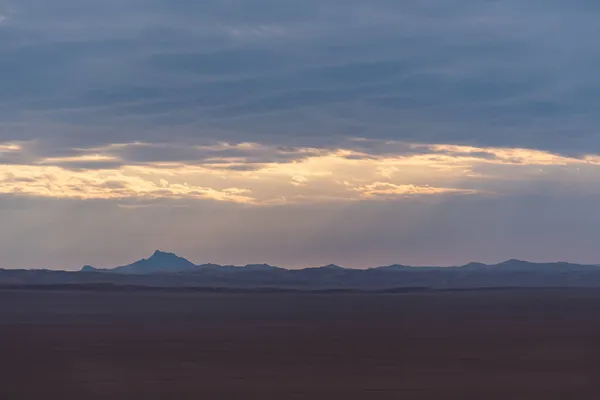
162 262
169 270
159 262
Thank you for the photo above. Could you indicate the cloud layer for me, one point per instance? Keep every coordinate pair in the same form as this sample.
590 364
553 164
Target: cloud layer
492 73
255 174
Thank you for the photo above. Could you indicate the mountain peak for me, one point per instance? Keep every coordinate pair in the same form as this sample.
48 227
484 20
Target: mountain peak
159 262
260 267
163 254
474 264
515 262
332 266
393 267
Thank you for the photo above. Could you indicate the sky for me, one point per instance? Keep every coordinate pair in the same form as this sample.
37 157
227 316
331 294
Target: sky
299 133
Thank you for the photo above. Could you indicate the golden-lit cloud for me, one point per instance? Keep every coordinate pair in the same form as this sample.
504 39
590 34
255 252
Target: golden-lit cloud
390 190
78 159
9 147
251 173
105 184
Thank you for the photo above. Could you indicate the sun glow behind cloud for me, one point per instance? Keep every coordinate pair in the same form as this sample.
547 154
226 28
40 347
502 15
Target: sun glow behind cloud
251 173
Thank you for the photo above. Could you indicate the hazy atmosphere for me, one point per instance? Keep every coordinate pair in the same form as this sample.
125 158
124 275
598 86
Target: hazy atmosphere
299 133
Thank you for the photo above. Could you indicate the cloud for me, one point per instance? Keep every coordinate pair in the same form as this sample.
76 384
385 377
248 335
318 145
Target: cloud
263 175
483 74
56 182
10 147
5 12
386 190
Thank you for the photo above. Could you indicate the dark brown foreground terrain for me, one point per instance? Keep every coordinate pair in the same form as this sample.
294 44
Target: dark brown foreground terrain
497 344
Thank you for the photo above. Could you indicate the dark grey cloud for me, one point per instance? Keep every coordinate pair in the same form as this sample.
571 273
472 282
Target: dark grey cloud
152 153
312 73
88 165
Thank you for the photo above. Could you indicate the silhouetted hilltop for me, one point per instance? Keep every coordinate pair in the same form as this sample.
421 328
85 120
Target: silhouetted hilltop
326 268
527 266
89 268
260 267
159 262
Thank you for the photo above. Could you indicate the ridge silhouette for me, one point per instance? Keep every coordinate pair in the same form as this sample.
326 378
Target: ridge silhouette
164 269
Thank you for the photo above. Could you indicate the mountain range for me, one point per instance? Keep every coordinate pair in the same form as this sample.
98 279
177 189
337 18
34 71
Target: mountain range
163 262
164 269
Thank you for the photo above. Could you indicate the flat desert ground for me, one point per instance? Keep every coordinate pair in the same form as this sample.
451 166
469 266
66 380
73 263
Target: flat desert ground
488 344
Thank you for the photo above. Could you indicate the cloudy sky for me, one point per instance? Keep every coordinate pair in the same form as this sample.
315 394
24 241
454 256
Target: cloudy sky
362 133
